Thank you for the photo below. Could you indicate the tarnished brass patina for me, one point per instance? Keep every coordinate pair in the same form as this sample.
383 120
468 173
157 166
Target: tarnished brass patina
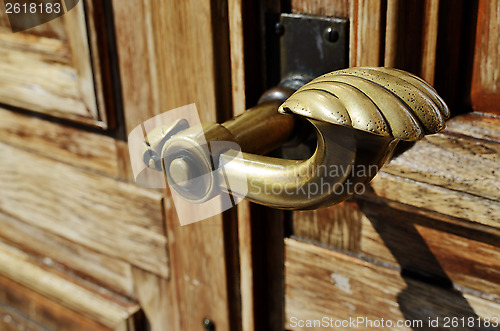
358 115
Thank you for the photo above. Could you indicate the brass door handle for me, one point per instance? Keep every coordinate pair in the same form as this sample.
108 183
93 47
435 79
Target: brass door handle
358 114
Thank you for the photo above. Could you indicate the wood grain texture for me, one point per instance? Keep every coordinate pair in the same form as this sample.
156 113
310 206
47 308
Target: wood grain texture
447 249
114 218
13 320
51 71
452 161
158 307
337 8
366 31
173 54
43 311
60 142
485 91
108 271
411 36
110 311
422 195
137 61
476 125
322 282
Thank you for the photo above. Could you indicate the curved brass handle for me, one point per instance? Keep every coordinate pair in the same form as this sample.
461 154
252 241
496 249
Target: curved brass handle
359 115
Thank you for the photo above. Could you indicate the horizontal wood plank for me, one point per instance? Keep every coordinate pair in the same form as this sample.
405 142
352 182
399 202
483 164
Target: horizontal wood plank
43 311
442 200
111 272
454 162
114 218
476 125
426 243
321 282
13 320
110 311
61 142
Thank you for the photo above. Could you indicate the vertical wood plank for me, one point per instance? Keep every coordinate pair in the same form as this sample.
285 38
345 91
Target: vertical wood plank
411 36
430 40
485 92
172 54
160 309
365 33
136 61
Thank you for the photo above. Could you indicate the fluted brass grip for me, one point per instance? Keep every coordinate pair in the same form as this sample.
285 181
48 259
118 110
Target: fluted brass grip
387 102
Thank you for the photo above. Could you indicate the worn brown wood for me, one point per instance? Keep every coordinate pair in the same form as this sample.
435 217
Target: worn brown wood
106 309
43 311
457 20
61 142
173 54
449 202
465 254
336 226
338 8
151 292
49 70
476 125
322 282
111 272
411 36
12 320
485 90
137 61
459 163
367 29
114 218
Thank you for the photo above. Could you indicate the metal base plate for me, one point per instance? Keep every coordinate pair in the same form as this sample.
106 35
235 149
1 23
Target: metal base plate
313 45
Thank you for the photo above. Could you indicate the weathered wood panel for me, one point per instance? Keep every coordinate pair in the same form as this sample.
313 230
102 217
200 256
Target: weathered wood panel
40 309
339 8
111 272
442 200
106 309
448 250
114 218
480 126
367 29
485 91
152 293
173 54
454 162
60 142
50 70
411 36
321 282
12 320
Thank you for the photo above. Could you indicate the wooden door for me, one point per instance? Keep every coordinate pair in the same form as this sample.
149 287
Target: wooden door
82 247
423 241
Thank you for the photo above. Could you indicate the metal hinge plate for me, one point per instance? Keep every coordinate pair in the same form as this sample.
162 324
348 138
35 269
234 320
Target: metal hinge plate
312 45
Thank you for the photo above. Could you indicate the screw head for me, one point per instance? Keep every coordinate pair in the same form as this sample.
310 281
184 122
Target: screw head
208 324
331 35
180 172
279 29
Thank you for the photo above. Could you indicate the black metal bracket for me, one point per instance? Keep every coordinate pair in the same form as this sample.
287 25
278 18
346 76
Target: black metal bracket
312 45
